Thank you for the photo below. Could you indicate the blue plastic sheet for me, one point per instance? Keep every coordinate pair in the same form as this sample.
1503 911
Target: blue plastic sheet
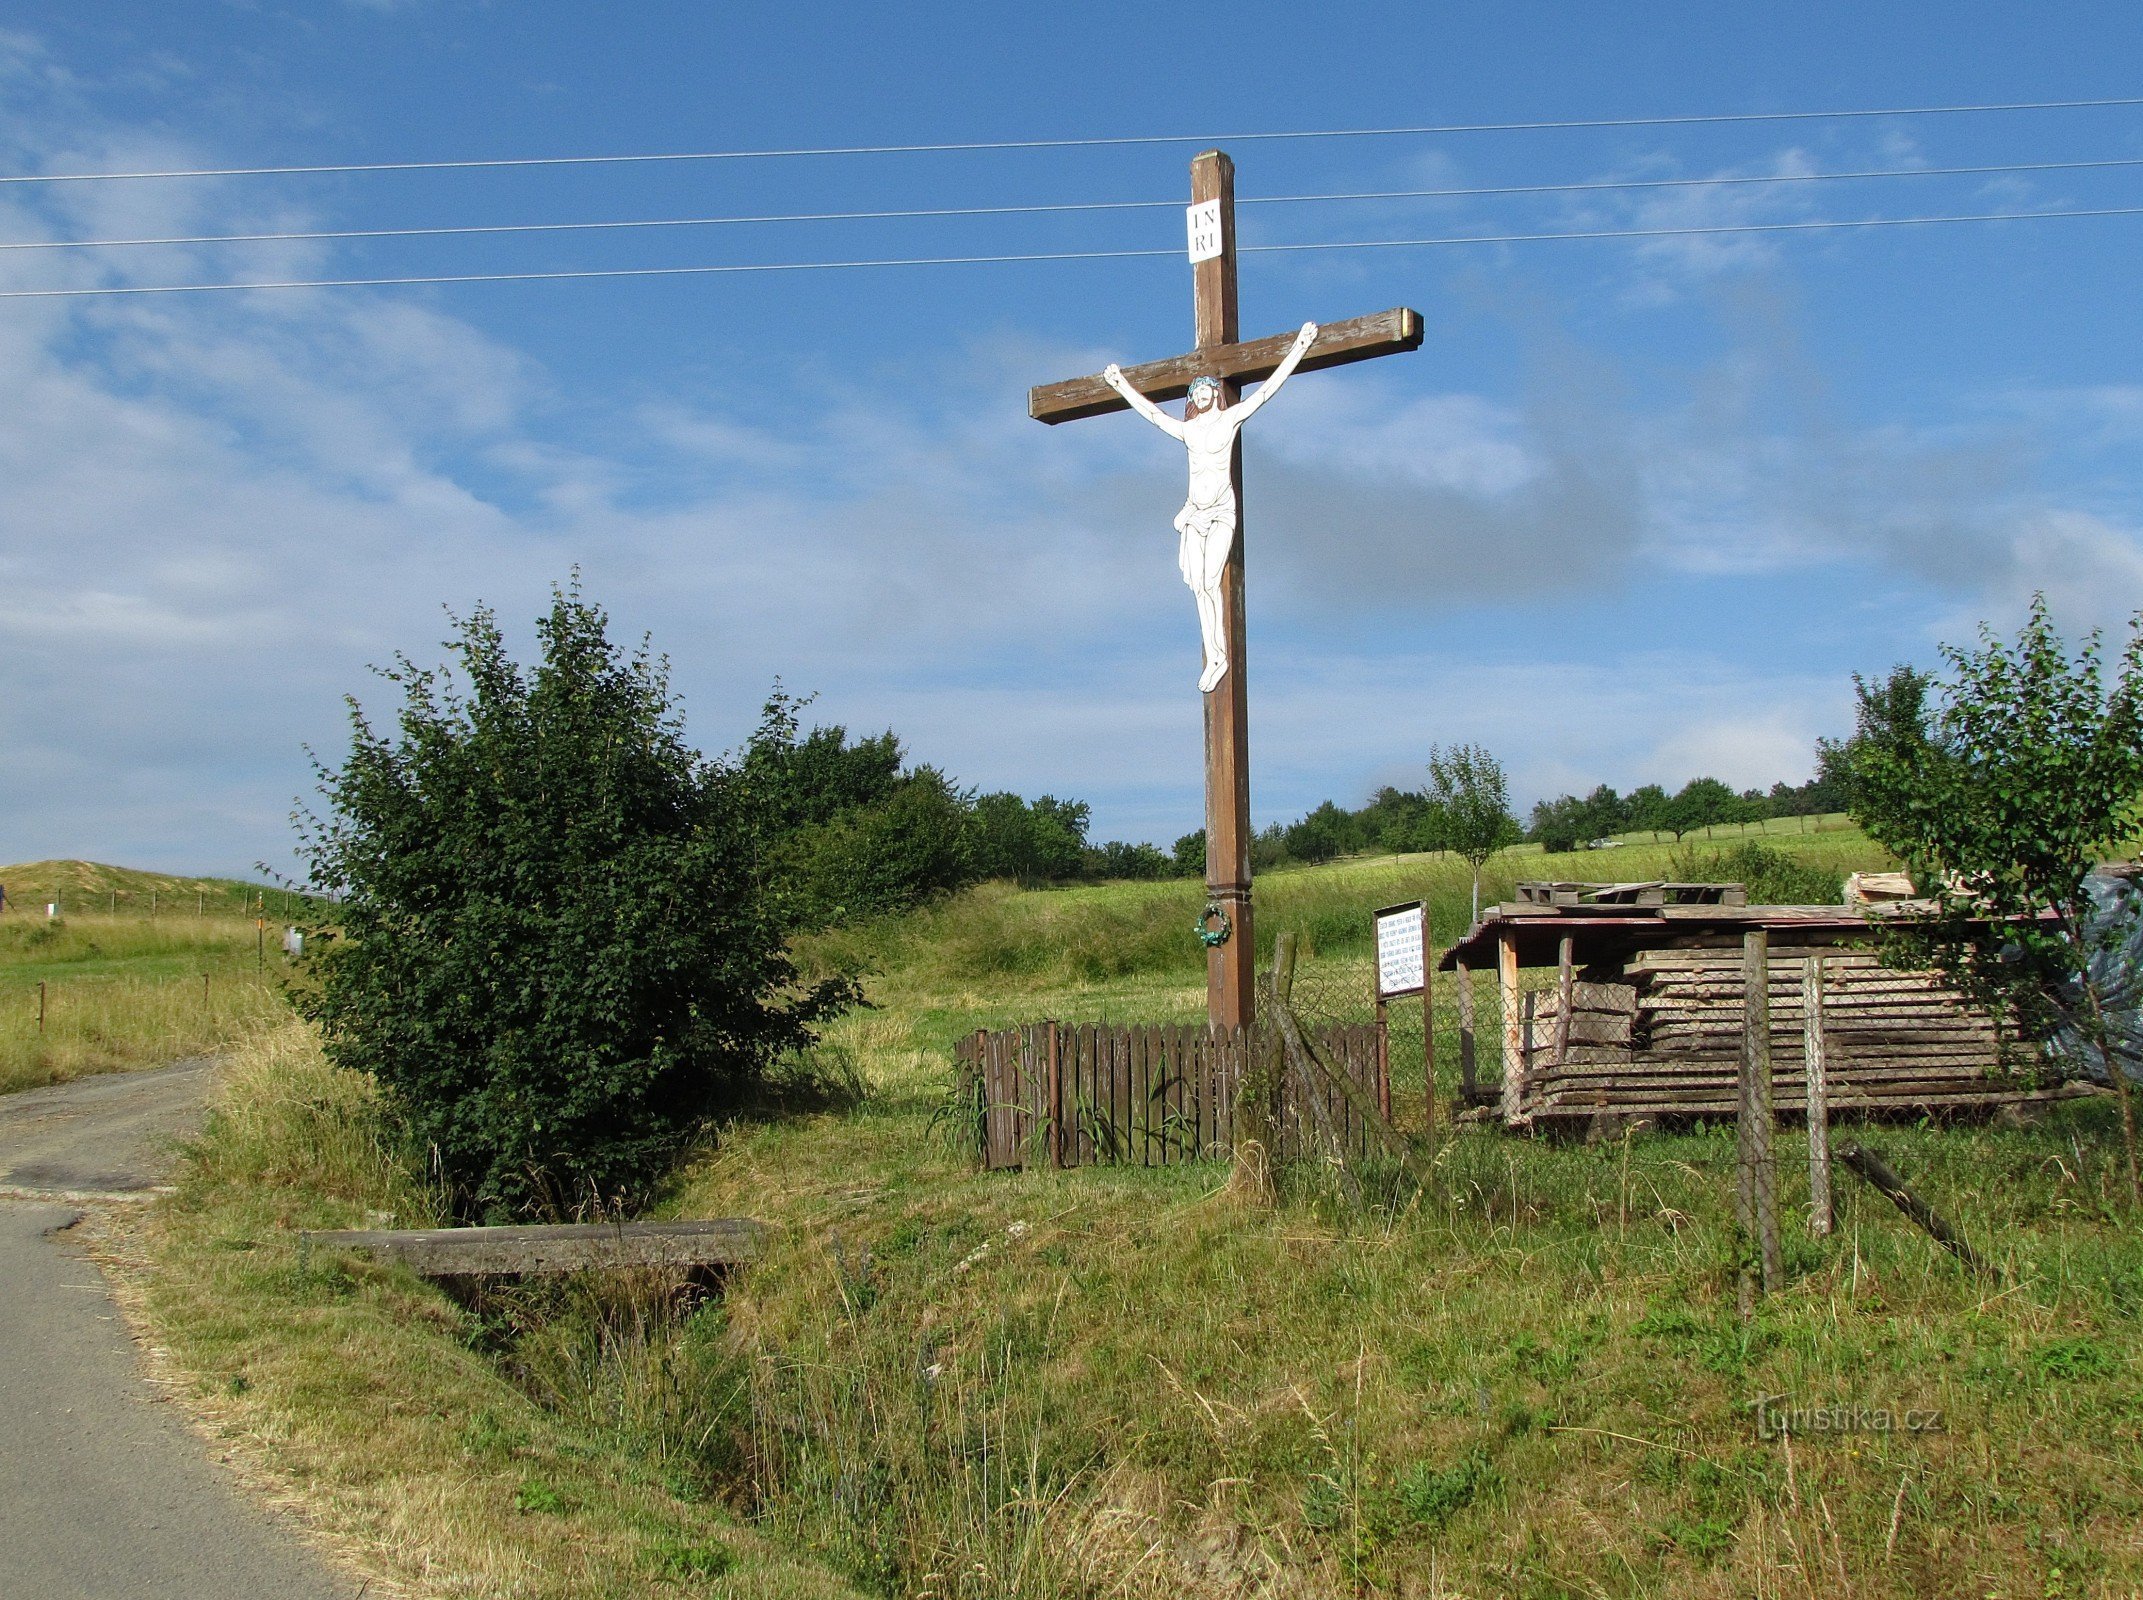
2115 931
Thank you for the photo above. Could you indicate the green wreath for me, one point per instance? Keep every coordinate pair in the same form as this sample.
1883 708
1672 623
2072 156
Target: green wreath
1208 935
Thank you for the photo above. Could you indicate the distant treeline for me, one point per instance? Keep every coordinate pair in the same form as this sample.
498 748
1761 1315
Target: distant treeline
864 833
1399 820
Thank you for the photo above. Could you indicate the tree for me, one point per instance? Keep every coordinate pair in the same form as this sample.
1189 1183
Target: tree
1117 860
1602 813
1471 800
1189 854
2001 797
884 858
1556 824
562 950
1700 803
816 777
1396 820
1324 833
1646 809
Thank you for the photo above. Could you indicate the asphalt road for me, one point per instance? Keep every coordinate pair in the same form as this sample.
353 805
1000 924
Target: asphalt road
105 1493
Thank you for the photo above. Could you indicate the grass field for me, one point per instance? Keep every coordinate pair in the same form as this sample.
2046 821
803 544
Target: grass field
92 992
1527 1381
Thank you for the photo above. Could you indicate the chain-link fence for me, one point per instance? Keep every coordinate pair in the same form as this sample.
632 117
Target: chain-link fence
1469 1029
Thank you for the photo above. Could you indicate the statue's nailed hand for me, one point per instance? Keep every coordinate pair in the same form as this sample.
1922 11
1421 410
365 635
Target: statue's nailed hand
1113 375
1307 337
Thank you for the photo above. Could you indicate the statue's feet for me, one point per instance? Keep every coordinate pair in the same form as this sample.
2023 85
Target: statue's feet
1214 672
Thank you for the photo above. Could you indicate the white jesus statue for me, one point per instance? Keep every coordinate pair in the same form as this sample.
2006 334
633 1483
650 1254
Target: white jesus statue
1208 518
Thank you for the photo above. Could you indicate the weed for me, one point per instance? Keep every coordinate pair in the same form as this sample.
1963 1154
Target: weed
536 1496
1432 1496
2071 1360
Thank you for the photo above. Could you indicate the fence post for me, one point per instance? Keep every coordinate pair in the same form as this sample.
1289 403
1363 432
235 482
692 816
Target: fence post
1056 1098
1762 1264
1821 1215
40 1005
1428 1025
1513 1023
1566 997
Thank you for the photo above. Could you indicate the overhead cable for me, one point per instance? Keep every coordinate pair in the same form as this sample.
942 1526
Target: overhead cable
1588 186
1819 225
1118 140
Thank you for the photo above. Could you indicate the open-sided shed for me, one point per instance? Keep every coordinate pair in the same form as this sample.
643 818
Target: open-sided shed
1644 1017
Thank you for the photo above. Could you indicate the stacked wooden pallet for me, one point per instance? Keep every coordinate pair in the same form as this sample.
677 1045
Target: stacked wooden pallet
1668 1043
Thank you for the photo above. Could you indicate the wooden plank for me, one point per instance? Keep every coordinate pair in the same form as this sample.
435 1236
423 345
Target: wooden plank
1078 1142
1168 1103
1034 1078
1381 333
1134 1090
1060 1105
518 1252
1181 1138
993 1116
1188 1098
1185 1049
1117 1044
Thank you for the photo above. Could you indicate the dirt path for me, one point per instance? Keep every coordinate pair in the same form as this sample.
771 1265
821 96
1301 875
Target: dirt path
104 1491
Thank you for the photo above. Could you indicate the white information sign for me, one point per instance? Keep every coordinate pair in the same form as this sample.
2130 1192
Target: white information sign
1399 953
1204 220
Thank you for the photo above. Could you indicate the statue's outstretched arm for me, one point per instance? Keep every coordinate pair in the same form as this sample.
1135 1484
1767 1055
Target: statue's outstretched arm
1113 376
1280 374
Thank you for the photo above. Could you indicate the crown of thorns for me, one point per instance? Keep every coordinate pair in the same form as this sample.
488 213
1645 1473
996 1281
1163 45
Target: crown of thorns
1209 386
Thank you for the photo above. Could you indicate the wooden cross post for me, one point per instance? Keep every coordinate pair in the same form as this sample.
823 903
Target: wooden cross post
1219 354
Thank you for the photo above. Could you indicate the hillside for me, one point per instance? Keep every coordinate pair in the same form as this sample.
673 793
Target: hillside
96 886
1527 1380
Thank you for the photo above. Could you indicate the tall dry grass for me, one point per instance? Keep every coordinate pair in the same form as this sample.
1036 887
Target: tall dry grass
103 994
372 1401
113 1024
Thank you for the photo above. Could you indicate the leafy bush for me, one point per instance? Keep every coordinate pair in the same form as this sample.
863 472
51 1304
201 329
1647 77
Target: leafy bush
563 944
1772 877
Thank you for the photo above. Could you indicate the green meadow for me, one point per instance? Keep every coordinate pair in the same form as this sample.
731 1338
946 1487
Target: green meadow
1527 1379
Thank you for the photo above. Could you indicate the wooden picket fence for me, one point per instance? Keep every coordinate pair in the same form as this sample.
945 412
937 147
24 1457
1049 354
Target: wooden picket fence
1053 1094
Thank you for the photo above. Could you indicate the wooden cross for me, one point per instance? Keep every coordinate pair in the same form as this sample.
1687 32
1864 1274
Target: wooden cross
1218 354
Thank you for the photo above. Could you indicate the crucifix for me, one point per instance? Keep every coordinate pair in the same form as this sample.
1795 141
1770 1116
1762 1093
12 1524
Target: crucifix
1210 527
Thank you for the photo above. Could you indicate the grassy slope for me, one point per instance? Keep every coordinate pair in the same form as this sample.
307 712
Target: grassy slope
92 886
1531 1383
368 1397
1112 1382
123 988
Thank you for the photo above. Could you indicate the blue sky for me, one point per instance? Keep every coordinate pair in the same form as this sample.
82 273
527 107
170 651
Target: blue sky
1635 512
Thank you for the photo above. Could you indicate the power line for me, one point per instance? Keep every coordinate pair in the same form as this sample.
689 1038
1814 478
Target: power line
1489 191
1826 224
974 145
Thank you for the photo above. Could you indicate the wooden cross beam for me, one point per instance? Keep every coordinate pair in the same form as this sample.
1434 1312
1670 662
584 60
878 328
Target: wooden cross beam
1219 353
1381 333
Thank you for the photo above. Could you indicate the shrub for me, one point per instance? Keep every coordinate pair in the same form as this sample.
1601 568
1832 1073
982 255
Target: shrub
1772 877
562 949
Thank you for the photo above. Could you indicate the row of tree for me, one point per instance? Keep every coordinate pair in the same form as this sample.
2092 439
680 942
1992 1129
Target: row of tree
1399 820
